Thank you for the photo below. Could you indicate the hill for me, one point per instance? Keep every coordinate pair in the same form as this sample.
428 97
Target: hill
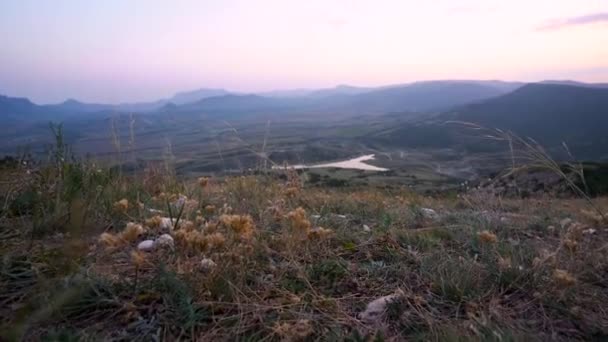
551 114
92 253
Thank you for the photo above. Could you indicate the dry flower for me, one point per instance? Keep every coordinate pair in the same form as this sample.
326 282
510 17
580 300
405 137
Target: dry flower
138 258
299 222
215 240
203 182
109 240
122 205
563 278
209 209
241 224
154 222
291 191
132 231
487 237
319 233
504 263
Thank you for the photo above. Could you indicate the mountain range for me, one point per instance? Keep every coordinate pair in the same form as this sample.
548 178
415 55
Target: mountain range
551 112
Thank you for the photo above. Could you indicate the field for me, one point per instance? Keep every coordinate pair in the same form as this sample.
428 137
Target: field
291 256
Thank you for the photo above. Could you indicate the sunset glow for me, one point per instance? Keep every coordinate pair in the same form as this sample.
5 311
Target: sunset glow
115 51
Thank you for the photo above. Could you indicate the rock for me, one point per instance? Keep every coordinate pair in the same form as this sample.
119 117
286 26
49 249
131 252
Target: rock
146 246
565 222
207 264
589 231
376 309
166 225
366 228
164 240
429 213
315 217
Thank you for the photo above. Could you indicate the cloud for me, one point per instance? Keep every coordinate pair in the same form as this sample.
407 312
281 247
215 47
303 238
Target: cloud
574 21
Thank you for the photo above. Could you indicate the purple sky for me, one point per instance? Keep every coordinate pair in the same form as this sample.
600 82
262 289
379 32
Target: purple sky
118 51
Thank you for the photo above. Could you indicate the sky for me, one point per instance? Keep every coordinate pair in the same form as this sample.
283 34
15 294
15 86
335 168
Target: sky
115 51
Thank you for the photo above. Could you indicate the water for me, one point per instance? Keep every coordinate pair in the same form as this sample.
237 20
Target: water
354 163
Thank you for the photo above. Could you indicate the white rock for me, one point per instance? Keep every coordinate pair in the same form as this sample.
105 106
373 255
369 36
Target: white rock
207 264
375 309
429 213
315 217
589 231
146 245
565 222
164 240
366 228
166 224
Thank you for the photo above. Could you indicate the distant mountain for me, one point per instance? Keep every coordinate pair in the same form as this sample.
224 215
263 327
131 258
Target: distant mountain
287 93
551 113
337 90
347 101
72 105
17 108
342 89
548 113
576 83
196 95
432 95
180 98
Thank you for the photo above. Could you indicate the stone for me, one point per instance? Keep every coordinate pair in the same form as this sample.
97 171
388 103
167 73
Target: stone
146 246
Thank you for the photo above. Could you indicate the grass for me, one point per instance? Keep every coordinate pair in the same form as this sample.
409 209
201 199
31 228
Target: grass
287 259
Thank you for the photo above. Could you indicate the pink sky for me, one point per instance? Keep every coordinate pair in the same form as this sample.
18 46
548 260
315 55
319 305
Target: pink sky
116 50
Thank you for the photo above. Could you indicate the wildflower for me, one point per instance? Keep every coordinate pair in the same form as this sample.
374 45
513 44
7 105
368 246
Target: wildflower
154 222
138 258
215 240
291 191
487 237
132 232
319 233
563 278
203 182
109 240
122 205
210 227
209 209
190 205
187 225
299 330
504 263
241 224
299 221
302 329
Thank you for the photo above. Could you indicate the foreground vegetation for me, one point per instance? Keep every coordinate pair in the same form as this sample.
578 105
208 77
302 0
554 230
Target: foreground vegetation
273 257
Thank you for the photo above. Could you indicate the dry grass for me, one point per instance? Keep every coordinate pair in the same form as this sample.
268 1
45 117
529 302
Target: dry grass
258 258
